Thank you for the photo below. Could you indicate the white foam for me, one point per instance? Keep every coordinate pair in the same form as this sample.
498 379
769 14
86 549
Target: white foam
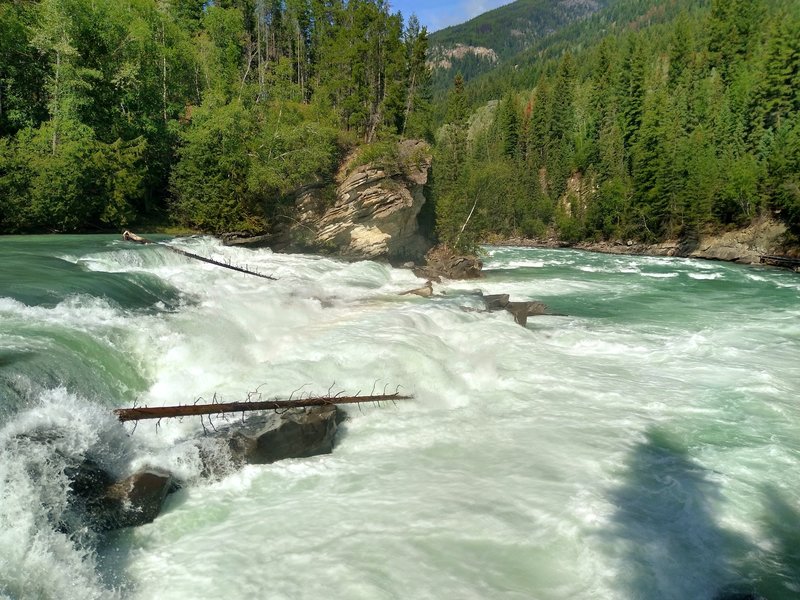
505 476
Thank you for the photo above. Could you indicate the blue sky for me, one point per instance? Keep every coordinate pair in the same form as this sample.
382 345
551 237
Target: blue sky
437 14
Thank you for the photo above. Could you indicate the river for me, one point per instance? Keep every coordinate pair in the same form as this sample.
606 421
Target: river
643 445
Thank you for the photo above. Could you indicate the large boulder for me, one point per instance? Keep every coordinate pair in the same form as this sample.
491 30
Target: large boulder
272 436
135 500
105 503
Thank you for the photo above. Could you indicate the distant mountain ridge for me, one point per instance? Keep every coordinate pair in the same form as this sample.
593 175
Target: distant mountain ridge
480 43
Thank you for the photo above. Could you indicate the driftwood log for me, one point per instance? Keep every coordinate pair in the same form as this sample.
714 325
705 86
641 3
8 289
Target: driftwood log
132 237
188 410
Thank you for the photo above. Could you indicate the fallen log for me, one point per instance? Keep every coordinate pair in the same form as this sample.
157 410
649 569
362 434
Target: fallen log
189 410
132 237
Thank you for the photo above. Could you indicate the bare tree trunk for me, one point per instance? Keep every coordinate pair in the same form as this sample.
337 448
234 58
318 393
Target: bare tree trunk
259 25
251 55
188 410
464 226
57 100
412 89
163 70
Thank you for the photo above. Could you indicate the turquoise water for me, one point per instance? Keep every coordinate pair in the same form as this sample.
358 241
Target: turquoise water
642 445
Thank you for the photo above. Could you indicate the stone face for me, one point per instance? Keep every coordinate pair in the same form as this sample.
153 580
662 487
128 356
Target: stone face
374 215
741 245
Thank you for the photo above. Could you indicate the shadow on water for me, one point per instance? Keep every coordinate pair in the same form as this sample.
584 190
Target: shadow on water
779 565
664 531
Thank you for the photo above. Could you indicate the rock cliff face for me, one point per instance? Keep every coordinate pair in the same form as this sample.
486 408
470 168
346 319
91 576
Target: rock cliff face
742 245
374 215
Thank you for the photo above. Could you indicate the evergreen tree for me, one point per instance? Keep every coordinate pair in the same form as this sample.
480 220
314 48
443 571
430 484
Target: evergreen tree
508 126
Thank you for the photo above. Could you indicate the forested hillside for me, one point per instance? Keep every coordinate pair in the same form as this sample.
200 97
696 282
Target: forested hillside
213 113
683 120
504 32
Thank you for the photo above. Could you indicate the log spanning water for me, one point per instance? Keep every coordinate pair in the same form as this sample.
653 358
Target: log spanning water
132 237
188 410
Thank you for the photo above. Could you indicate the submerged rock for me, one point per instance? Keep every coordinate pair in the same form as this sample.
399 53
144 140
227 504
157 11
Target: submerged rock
739 596
496 301
425 291
523 310
520 310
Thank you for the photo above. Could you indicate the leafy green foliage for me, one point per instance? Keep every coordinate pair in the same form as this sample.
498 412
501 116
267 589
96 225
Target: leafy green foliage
236 165
83 182
210 112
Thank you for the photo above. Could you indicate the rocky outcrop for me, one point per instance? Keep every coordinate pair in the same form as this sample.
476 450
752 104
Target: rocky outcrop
744 246
443 262
103 502
374 214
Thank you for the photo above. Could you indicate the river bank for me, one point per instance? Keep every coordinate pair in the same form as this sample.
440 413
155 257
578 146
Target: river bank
743 246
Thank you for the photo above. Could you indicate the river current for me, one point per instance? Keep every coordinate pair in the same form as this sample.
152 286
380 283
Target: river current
641 444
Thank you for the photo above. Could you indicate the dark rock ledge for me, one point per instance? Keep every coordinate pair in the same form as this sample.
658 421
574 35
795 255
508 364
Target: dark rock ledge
106 503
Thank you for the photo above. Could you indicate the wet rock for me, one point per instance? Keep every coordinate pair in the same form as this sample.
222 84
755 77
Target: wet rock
266 438
496 301
443 262
425 291
105 503
238 238
523 310
135 500
520 310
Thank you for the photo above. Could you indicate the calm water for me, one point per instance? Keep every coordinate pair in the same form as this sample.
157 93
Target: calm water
643 446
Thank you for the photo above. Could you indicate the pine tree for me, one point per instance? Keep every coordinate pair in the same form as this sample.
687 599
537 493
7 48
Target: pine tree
508 125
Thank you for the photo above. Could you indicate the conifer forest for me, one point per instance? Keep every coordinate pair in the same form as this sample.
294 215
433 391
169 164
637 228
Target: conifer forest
645 120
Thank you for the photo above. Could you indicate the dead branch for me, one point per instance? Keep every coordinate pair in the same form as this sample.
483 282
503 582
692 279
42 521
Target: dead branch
160 412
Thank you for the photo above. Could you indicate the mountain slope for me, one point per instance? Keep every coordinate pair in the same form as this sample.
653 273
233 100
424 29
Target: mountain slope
485 41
